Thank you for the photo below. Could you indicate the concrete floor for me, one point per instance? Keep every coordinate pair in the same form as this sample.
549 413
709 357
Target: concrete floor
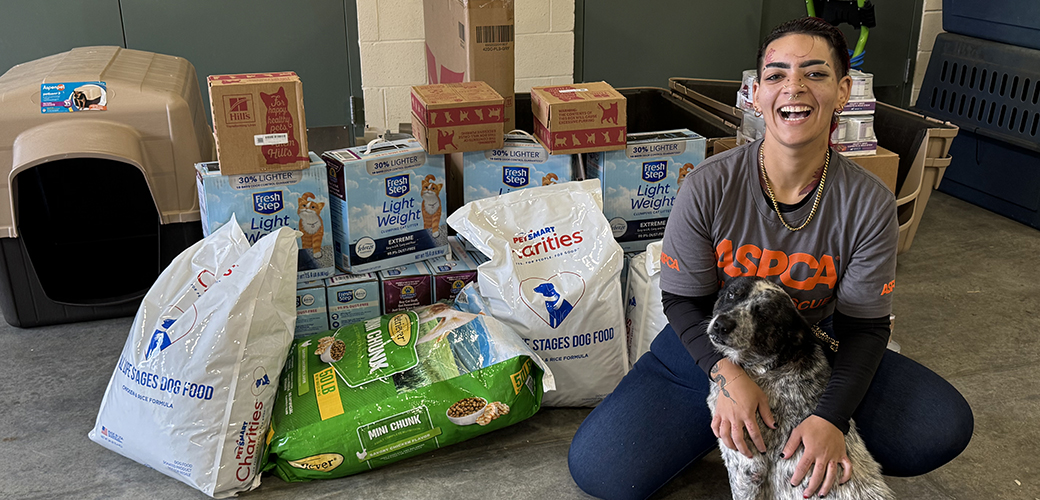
966 306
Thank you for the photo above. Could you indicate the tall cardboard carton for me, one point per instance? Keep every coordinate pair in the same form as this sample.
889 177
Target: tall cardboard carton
258 122
579 118
470 41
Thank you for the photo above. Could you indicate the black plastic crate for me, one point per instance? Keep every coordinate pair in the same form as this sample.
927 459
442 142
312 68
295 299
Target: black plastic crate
650 109
992 91
995 175
990 88
1016 22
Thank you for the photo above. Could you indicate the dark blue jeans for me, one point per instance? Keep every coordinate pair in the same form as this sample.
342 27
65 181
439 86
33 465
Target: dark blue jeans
657 422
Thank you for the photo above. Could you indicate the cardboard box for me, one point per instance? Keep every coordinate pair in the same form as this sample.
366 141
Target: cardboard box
641 181
472 42
387 204
457 117
406 287
352 298
884 163
258 122
311 314
265 201
579 118
450 276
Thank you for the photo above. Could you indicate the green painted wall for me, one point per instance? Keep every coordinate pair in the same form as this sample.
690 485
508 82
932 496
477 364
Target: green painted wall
632 44
217 36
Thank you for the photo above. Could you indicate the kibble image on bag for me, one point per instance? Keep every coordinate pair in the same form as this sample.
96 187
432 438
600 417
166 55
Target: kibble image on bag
372 393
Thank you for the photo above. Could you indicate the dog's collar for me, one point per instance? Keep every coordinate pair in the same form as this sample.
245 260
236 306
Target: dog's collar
822 335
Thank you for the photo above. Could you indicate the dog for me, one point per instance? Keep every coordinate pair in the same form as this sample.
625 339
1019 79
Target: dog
756 326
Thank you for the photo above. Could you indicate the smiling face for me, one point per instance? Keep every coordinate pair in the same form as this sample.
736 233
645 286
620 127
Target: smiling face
799 89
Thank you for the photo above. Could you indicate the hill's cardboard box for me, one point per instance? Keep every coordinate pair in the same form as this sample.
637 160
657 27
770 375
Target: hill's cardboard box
470 42
258 122
457 117
579 118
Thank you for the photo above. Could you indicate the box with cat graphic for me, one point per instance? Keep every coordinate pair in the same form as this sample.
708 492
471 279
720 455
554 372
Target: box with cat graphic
640 182
457 117
387 205
520 163
579 118
265 201
258 122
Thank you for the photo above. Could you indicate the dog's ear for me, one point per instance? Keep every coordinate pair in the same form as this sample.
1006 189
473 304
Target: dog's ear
798 335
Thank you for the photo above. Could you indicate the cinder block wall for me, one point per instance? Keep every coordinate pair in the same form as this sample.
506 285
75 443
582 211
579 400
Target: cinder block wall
393 59
931 26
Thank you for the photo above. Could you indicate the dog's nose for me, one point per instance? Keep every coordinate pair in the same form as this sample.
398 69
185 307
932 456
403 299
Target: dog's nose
722 325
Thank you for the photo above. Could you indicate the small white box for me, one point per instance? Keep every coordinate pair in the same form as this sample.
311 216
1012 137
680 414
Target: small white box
352 298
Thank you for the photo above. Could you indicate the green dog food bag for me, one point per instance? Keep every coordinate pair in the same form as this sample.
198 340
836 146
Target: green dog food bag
372 393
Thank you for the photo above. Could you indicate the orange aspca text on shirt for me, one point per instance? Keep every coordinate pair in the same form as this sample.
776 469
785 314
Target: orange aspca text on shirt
750 260
669 261
891 285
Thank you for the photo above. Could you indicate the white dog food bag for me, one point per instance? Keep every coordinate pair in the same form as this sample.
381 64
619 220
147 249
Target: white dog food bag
193 391
644 312
553 277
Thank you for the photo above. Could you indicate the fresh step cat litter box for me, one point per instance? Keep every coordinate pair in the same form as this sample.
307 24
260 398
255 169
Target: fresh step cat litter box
98 147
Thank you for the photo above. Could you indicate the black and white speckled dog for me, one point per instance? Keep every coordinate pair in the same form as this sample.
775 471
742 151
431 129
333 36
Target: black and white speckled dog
756 326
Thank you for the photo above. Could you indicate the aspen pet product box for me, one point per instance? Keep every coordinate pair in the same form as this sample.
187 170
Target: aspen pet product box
386 205
457 117
640 182
88 183
472 42
312 313
406 287
352 298
265 201
259 123
579 118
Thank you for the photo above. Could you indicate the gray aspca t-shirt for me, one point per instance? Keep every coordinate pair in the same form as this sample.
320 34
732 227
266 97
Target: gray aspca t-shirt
722 226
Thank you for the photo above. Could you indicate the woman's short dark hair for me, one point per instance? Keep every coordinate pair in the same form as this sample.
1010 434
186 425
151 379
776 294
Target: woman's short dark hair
815 27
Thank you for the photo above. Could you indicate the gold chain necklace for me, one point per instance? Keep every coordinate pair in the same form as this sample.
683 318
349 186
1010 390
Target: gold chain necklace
772 198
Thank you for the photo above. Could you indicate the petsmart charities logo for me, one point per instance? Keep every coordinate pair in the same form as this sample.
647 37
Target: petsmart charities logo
248 435
268 202
655 171
544 240
516 177
398 185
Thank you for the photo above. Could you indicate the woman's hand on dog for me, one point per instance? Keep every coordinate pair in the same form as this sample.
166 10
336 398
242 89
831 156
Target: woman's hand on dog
739 400
824 452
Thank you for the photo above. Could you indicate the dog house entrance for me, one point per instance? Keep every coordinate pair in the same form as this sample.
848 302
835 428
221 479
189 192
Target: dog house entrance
90 228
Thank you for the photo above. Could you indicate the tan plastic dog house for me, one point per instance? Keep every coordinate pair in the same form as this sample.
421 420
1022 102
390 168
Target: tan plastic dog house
100 190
